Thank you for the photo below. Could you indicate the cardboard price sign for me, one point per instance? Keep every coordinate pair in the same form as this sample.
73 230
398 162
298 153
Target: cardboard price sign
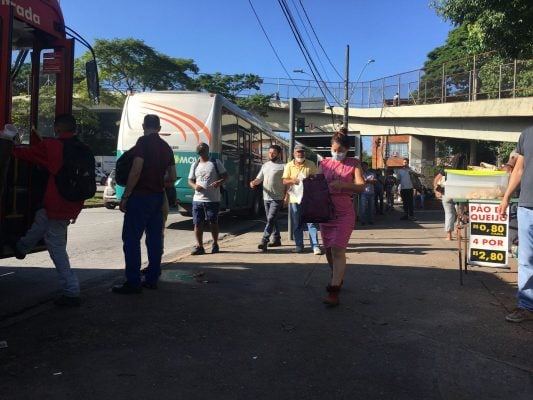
489 241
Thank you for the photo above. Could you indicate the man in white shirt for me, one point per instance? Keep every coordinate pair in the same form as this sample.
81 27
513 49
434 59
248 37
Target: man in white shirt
273 195
205 177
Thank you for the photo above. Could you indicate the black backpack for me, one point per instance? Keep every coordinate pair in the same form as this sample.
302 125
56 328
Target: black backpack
123 167
76 179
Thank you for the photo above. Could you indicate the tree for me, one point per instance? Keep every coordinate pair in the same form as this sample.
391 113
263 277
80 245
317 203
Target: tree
503 26
450 59
232 86
129 65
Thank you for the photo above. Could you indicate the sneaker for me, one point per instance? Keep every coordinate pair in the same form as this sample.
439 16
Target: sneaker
18 254
262 246
276 243
215 249
198 250
67 301
404 218
519 315
317 251
298 250
126 288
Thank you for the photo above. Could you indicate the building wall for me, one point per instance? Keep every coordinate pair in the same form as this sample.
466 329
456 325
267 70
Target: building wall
421 152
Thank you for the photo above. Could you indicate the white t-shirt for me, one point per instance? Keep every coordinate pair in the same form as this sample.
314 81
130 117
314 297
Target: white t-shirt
204 176
270 174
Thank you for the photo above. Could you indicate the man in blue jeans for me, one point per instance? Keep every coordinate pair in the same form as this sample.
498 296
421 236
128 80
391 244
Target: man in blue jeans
523 175
294 172
273 195
142 203
366 215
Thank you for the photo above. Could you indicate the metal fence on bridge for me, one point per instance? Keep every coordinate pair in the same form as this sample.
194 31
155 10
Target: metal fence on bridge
483 76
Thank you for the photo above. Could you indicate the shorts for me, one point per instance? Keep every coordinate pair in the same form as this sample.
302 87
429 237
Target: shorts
205 211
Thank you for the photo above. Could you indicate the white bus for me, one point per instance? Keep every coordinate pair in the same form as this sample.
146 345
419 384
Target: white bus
235 136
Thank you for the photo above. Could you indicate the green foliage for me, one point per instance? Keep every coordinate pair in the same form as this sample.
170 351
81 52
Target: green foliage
503 26
129 65
452 60
487 151
231 86
257 103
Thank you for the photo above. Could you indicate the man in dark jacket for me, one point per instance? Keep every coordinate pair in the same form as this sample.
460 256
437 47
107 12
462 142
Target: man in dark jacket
142 203
51 221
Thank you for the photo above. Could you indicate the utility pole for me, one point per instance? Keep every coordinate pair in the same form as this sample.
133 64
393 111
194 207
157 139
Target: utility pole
292 114
346 108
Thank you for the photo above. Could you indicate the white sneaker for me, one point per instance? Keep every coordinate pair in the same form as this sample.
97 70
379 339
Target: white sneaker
317 251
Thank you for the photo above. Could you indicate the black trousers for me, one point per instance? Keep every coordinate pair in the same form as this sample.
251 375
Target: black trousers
407 199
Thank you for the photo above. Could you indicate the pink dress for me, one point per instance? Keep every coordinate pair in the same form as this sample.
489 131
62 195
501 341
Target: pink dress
337 232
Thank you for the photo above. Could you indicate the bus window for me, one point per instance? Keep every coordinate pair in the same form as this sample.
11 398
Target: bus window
228 129
256 146
46 99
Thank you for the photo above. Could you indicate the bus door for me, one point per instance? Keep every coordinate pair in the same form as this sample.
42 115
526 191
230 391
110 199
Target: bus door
35 85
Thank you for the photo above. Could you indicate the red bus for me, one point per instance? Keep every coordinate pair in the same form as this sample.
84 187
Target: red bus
35 44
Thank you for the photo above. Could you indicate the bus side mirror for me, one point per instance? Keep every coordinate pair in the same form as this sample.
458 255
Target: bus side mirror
93 84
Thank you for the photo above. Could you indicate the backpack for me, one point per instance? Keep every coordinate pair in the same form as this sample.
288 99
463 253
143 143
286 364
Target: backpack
316 205
76 179
198 162
123 167
417 184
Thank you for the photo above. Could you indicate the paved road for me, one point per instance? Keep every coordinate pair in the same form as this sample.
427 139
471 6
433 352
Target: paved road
95 249
246 325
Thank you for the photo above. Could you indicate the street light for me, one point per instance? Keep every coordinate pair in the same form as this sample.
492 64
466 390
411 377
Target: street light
301 71
363 69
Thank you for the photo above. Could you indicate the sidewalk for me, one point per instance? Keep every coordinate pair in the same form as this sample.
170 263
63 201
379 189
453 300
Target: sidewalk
248 325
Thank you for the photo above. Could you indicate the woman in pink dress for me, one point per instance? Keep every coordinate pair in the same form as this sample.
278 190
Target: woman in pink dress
344 177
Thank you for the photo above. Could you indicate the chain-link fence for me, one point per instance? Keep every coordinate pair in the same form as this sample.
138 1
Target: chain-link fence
483 76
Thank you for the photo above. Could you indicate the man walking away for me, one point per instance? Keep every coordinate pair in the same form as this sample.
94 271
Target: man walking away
522 175
52 220
142 203
367 196
273 195
406 190
205 177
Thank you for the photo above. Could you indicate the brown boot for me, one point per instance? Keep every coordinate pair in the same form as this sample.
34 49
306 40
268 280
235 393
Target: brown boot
333 295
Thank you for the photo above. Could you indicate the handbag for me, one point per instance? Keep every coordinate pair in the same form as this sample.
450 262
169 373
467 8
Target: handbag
316 205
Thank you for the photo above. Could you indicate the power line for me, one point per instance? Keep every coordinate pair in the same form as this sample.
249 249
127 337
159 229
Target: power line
318 40
271 45
309 38
305 51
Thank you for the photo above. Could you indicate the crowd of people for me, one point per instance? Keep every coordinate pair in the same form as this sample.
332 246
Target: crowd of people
153 169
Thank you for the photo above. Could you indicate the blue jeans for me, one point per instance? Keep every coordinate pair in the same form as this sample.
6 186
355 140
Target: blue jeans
272 208
366 214
54 232
297 228
525 258
143 215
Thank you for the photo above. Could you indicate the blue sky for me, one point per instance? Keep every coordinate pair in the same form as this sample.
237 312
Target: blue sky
224 35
